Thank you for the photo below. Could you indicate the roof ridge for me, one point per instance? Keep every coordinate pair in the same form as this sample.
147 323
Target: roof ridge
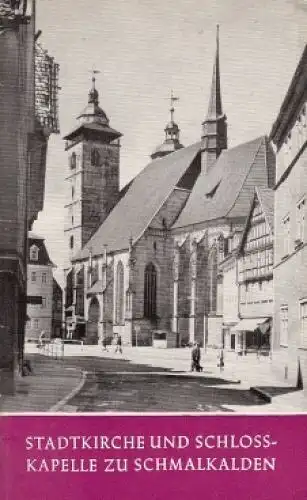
258 190
169 193
261 139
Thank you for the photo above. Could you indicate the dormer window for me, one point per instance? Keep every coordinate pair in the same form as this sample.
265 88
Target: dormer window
34 252
95 158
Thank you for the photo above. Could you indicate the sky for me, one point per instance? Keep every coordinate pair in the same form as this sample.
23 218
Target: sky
143 49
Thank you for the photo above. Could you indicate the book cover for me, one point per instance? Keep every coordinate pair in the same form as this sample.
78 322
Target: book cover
153 297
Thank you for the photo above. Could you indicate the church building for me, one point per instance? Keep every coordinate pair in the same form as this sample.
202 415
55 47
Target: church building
147 258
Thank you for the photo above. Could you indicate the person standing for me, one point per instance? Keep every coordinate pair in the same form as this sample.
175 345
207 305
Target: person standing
119 344
104 343
195 355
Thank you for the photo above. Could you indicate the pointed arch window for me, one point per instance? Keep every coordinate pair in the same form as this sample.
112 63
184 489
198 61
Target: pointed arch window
119 311
212 271
95 157
150 291
80 292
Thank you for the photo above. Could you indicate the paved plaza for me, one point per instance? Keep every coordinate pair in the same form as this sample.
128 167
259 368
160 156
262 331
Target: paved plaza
146 379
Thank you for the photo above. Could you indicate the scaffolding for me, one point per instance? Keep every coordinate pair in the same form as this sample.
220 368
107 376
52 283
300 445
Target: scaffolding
46 91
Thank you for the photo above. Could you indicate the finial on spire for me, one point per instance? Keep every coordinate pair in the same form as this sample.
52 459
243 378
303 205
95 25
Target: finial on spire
93 96
172 100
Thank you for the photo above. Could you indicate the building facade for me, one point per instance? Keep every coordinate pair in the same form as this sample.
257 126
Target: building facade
289 135
23 146
255 275
39 290
154 263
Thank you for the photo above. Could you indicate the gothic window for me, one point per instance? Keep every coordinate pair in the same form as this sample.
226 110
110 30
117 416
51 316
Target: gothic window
119 311
73 161
94 273
150 291
34 252
80 292
212 270
95 157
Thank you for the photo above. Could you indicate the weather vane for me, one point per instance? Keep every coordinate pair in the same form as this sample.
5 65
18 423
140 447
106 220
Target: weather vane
172 99
94 72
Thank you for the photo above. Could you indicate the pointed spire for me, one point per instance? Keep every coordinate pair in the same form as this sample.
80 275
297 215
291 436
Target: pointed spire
215 102
214 127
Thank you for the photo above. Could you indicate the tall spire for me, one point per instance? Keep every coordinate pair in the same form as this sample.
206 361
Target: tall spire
214 128
215 101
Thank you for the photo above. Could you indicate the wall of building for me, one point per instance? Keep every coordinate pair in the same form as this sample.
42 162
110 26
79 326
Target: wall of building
73 209
290 258
256 299
16 122
100 185
155 248
40 315
230 293
123 329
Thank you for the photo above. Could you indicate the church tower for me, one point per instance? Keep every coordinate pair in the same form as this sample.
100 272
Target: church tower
214 127
171 142
93 173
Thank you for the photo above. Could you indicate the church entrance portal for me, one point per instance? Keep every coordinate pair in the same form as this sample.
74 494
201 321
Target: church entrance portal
92 324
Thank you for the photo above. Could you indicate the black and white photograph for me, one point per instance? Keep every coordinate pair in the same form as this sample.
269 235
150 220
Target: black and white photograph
153 197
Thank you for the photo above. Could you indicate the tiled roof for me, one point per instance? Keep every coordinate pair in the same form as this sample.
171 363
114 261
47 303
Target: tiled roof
96 127
43 256
227 189
144 197
266 198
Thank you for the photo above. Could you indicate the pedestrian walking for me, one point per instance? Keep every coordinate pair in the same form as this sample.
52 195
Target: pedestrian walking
104 344
41 339
196 355
118 347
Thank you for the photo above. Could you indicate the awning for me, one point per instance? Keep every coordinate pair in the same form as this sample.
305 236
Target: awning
250 324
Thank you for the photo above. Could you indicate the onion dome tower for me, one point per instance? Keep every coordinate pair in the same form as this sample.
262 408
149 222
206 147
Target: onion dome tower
172 132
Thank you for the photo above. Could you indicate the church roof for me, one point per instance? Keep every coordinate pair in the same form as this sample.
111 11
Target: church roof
144 197
266 199
94 127
227 189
